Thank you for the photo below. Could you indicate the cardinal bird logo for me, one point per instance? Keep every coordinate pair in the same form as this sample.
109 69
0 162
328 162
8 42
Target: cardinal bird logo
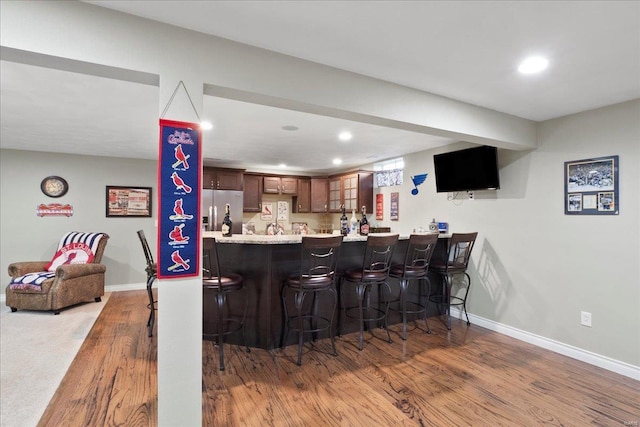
179 183
417 180
180 157
178 262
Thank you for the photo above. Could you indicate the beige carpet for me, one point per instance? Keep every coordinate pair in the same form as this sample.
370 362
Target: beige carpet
36 350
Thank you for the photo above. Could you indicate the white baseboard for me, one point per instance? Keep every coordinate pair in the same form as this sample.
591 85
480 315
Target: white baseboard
586 356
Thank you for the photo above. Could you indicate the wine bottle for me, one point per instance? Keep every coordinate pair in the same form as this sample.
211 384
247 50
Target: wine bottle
364 224
354 223
226 222
344 222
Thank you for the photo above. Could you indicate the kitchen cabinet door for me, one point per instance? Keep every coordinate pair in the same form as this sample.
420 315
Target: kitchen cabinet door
280 185
252 193
222 179
319 195
302 202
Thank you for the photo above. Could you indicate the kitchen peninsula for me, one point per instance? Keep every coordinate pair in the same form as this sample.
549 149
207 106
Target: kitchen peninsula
265 262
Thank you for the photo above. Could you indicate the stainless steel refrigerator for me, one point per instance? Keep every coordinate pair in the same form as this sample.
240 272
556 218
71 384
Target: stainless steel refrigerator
212 208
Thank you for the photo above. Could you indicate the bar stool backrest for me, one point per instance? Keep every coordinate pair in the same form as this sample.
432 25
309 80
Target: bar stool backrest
419 252
211 261
319 258
378 255
460 248
151 265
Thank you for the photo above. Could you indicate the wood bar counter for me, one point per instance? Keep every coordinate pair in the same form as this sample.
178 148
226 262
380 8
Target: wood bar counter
265 262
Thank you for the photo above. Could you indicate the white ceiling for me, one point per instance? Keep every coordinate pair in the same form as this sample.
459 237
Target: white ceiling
464 50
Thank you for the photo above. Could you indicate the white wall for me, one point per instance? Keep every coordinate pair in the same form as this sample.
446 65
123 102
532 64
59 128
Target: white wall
28 237
535 268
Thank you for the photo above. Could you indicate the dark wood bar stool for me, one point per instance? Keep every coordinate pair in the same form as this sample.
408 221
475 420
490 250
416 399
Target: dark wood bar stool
415 268
318 260
152 274
218 286
374 271
455 263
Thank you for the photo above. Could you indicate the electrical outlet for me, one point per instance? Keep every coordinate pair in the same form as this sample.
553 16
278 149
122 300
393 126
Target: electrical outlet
471 195
585 318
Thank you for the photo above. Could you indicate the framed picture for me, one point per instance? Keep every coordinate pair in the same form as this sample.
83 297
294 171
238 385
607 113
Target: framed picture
591 186
266 214
128 201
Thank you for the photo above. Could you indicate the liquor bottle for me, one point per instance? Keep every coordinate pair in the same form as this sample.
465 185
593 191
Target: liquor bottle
344 222
354 223
364 224
226 222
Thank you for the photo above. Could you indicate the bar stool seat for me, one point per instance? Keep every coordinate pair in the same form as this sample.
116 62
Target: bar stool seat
318 260
219 285
415 268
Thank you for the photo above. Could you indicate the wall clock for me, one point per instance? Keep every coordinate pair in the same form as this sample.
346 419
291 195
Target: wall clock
54 186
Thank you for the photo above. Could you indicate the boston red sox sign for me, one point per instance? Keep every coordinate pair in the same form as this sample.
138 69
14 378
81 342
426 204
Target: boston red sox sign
179 174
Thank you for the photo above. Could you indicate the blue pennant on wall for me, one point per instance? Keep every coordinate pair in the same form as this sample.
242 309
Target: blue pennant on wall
417 180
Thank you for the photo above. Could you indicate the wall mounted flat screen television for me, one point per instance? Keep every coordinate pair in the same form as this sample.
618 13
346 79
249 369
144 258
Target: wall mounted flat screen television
467 170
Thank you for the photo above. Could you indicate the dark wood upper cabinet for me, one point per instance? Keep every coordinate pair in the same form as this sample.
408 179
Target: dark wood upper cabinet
353 190
320 195
252 197
222 179
302 202
280 185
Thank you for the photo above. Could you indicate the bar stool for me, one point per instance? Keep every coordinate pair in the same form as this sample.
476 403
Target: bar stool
374 271
415 267
318 260
219 286
456 262
152 274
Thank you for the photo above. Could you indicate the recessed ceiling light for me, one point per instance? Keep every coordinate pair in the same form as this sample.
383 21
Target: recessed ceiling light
337 161
206 125
345 136
533 64
290 127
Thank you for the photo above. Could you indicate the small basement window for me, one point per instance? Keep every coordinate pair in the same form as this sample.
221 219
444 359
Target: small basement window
389 172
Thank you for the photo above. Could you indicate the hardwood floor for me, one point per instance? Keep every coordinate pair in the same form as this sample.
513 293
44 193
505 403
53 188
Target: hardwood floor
468 376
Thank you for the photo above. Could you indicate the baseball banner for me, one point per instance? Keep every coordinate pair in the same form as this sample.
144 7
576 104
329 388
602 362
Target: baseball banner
179 188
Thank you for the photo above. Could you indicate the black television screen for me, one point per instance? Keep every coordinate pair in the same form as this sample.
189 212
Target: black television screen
466 170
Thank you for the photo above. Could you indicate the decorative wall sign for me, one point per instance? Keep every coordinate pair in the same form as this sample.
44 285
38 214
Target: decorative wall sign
179 188
283 211
591 186
128 201
379 207
266 214
394 206
54 209
417 180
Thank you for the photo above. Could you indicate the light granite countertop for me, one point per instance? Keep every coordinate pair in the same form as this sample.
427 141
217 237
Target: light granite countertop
261 239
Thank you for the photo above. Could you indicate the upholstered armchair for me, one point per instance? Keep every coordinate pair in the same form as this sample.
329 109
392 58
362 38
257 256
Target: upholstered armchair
73 276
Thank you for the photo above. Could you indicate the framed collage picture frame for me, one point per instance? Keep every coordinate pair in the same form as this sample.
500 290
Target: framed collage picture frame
128 201
591 186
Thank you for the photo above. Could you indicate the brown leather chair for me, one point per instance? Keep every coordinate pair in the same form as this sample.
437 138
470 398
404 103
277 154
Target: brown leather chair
318 260
70 284
456 262
415 268
374 272
152 273
218 285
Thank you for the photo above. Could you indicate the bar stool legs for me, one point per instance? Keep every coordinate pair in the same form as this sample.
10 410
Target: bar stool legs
316 322
151 305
